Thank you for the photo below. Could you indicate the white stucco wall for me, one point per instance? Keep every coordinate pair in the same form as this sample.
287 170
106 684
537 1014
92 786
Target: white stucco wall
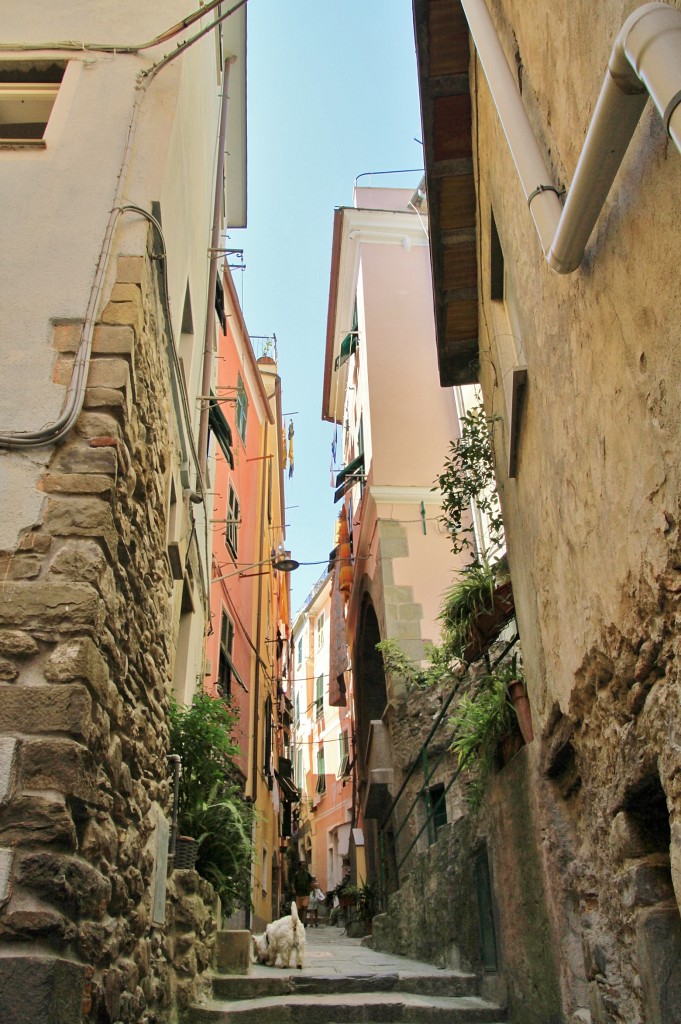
55 203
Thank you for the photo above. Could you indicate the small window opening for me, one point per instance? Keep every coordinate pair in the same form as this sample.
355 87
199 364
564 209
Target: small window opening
496 270
27 95
438 805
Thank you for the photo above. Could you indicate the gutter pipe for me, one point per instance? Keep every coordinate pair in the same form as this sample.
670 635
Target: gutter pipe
645 61
209 333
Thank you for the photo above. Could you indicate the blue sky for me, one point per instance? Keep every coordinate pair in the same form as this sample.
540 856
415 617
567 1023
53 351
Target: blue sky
332 94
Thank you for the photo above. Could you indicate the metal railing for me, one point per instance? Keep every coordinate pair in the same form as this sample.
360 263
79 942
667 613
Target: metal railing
422 796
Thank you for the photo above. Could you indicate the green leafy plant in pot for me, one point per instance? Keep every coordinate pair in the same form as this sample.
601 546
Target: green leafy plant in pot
211 808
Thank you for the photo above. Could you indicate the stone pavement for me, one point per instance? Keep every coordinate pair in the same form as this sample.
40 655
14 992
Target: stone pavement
345 980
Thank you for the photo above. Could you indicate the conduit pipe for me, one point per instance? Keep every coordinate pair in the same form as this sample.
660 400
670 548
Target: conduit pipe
645 61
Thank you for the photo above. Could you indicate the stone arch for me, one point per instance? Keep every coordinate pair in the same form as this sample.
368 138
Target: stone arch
371 695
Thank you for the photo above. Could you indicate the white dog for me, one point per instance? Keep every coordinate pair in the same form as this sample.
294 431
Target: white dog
281 938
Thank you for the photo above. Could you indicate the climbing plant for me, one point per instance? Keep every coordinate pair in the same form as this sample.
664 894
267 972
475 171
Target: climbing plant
468 477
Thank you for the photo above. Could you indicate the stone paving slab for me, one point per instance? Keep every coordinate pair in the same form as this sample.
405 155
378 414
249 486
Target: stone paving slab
353 1008
301 983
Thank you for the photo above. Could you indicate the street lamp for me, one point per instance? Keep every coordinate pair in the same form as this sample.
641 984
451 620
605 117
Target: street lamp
281 562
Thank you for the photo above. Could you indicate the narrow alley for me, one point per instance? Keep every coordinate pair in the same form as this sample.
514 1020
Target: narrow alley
345 980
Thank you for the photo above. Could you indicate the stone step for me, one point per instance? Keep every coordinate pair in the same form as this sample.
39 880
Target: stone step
440 983
351 1008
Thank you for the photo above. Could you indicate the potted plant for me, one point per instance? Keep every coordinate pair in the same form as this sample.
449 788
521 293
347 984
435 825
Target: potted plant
211 810
485 726
476 609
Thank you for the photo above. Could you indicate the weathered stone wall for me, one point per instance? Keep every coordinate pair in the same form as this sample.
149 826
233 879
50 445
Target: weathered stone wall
592 518
86 644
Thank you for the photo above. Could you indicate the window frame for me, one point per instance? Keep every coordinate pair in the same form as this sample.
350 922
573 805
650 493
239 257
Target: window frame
241 409
320 630
226 649
320 786
233 521
34 84
319 697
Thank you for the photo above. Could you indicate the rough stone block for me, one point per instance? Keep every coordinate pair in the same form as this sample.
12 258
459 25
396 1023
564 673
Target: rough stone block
125 292
658 944
66 337
36 820
44 605
62 370
81 459
87 517
77 659
107 398
77 483
40 990
60 765
17 644
8 761
98 424
45 709
80 560
23 567
8 671
646 883
109 373
6 858
111 340
130 269
125 313
71 883
232 952
34 541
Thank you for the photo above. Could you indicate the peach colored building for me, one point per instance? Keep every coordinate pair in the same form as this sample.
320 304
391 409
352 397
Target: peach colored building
249 597
324 749
394 428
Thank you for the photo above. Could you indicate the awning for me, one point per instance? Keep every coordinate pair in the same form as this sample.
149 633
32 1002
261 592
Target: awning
288 790
348 346
221 428
348 476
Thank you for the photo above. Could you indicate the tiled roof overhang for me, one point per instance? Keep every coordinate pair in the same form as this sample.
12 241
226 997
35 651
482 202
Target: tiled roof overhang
443 56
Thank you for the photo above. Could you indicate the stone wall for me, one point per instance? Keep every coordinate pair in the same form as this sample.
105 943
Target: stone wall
436 914
592 516
86 647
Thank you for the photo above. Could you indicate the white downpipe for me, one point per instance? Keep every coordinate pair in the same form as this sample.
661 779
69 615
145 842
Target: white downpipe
645 60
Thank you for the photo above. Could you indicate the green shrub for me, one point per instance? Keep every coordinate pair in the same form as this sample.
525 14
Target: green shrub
211 807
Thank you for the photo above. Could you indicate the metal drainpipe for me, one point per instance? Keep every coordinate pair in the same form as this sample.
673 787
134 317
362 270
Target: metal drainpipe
209 334
645 60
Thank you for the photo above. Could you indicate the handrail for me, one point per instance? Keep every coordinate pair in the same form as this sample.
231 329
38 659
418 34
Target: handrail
421 760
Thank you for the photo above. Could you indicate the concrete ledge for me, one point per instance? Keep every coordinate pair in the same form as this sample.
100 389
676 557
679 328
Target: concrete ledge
233 952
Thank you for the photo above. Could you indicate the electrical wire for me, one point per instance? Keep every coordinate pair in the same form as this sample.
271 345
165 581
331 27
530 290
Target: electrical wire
53 432
70 44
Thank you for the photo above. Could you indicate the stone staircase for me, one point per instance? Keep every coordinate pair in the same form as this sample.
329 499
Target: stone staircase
430 996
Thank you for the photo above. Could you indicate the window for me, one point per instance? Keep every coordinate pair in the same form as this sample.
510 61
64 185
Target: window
320 631
319 697
299 653
226 649
232 530
27 95
343 755
299 768
241 409
437 805
267 726
321 774
263 872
